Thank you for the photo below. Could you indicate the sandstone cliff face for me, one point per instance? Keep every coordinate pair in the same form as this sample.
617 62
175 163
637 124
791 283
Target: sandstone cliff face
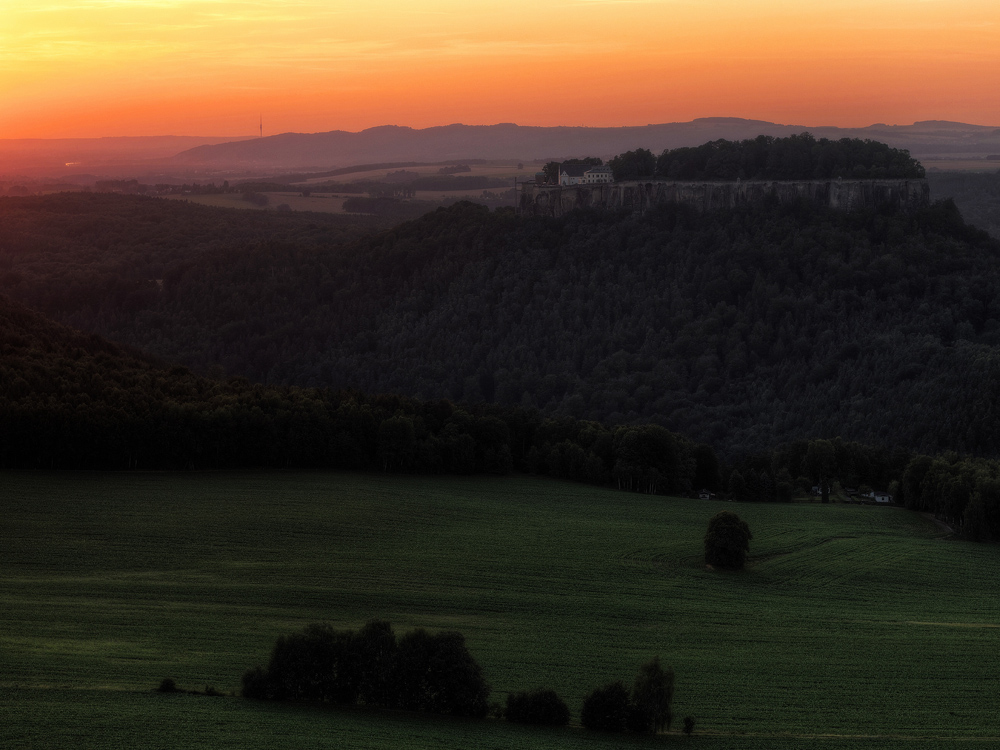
543 200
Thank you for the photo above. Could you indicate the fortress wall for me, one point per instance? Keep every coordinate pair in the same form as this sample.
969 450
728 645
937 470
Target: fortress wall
638 195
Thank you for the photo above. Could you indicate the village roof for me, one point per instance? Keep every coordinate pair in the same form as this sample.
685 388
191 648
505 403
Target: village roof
579 170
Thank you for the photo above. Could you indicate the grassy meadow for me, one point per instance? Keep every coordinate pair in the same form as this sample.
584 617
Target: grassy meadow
852 627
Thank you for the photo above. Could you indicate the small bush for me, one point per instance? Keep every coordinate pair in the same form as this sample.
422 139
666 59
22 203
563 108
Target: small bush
167 686
540 707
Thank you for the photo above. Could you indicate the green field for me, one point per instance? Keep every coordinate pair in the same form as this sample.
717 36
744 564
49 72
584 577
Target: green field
852 627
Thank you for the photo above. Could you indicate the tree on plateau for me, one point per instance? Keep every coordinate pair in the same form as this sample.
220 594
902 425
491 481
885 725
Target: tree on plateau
727 541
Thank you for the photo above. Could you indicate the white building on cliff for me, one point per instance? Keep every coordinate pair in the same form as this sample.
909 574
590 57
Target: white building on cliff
579 174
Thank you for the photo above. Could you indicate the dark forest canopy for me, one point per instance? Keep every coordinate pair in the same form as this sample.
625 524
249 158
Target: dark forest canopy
797 157
742 330
73 401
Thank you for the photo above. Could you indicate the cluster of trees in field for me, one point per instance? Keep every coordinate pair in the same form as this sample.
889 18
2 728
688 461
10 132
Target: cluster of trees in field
435 673
411 182
645 709
389 190
963 491
795 157
134 187
195 188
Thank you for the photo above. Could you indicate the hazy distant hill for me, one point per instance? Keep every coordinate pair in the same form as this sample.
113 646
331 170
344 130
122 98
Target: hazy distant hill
508 141
64 155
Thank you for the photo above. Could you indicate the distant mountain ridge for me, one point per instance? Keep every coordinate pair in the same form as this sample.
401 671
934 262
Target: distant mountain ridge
510 141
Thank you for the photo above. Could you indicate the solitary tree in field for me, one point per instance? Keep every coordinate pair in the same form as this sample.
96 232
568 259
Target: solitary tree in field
652 695
727 541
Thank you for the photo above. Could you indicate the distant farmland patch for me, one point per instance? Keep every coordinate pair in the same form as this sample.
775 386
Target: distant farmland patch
331 203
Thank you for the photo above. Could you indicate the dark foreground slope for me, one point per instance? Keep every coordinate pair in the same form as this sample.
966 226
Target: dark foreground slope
739 329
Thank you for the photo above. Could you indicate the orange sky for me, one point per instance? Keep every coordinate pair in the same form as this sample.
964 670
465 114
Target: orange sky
88 68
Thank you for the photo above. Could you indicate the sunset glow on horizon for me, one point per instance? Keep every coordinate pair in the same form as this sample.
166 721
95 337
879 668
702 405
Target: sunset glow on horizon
91 68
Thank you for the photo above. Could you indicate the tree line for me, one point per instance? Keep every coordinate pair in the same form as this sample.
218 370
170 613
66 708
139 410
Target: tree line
436 673
795 157
411 182
433 673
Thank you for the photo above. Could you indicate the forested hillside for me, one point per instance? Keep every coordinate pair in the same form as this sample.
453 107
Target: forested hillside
742 330
73 401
